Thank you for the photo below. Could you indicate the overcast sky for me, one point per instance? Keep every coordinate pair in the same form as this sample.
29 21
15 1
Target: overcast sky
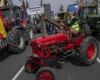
54 3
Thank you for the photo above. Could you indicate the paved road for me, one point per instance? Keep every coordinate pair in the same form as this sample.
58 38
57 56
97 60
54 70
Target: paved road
10 64
12 68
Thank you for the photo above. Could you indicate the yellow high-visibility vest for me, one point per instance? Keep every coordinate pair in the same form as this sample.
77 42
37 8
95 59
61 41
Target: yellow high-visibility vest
67 18
76 26
2 29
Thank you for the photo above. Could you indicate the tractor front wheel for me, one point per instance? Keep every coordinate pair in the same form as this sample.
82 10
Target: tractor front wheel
89 50
45 73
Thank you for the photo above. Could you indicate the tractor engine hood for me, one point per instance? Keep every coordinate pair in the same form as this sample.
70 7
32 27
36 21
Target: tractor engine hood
43 41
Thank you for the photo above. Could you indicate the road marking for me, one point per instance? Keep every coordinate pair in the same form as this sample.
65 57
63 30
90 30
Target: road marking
98 60
69 77
18 73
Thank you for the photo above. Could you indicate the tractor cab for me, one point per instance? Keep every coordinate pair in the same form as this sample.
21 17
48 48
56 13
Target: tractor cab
89 10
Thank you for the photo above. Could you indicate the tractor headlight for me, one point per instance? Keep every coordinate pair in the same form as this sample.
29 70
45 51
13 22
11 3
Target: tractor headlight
39 46
35 55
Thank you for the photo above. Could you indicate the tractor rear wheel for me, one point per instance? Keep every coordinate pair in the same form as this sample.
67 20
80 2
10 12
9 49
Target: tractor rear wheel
45 73
89 50
16 41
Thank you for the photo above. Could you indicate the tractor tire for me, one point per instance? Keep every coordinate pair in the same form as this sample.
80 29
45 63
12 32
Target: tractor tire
31 67
45 73
16 41
85 30
89 50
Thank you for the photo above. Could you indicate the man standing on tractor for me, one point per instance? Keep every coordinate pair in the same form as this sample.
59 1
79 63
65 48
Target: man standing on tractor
73 21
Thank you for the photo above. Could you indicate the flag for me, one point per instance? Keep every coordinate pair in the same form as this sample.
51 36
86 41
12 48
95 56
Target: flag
3 33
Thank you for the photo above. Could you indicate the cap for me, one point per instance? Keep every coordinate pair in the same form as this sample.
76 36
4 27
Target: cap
72 8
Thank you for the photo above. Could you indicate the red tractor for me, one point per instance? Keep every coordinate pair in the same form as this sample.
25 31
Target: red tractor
51 50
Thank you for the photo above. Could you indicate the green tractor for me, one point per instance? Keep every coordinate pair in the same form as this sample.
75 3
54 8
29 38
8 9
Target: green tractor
89 19
89 14
13 36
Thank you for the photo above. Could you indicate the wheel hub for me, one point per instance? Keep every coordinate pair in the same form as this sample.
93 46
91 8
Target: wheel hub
31 34
91 51
45 75
21 42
